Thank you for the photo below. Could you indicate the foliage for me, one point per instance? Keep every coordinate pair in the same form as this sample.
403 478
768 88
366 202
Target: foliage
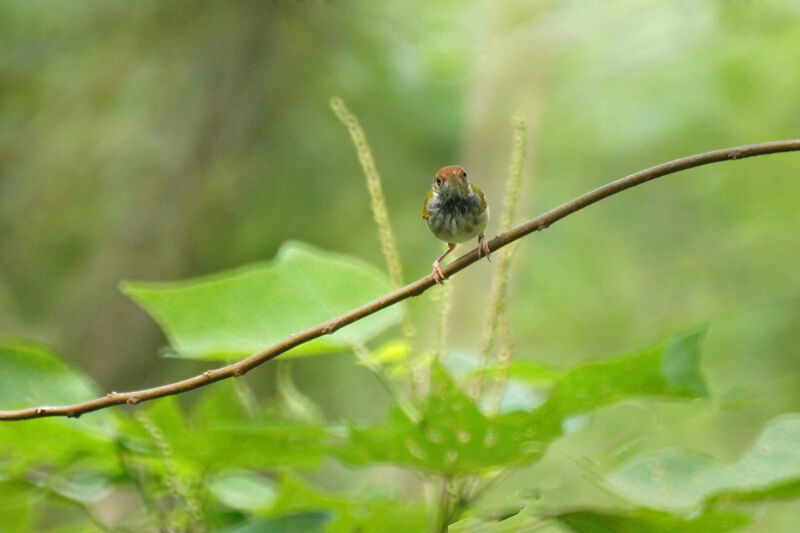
259 305
680 479
224 465
152 141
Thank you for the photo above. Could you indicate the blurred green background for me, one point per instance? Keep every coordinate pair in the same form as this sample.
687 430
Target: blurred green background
163 140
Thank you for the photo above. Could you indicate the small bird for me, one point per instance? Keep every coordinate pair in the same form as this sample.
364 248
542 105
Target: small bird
456 211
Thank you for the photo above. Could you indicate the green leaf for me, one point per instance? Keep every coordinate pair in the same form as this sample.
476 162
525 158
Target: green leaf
455 436
294 404
670 369
679 479
310 522
649 521
267 443
221 403
82 486
507 519
214 444
529 372
681 365
16 512
234 314
394 351
243 490
530 518
376 513
31 375
452 436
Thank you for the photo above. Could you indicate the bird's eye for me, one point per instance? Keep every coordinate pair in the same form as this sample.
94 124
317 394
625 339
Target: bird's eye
465 174
438 180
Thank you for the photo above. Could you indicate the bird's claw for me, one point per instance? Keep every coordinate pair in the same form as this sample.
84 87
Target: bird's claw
438 274
483 246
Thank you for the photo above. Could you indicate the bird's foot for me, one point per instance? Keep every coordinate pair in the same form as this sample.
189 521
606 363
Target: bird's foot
483 247
438 274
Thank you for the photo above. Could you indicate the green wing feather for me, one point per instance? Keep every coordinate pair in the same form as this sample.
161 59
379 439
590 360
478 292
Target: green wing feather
479 192
425 207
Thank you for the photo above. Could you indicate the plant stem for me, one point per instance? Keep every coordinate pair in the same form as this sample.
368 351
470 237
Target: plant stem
443 520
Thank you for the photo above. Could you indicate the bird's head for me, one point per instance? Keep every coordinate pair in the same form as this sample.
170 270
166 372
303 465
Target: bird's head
451 181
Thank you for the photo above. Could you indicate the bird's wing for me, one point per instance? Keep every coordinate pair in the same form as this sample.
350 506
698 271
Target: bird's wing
425 207
479 192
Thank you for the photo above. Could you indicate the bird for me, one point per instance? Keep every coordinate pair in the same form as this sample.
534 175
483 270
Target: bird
456 211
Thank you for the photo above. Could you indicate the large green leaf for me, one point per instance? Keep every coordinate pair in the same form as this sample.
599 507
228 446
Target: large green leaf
637 520
649 521
222 434
670 369
31 375
374 512
213 441
454 435
310 522
531 518
236 313
680 479
16 513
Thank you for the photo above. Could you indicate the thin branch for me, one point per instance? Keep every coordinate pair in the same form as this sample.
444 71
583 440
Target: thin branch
413 289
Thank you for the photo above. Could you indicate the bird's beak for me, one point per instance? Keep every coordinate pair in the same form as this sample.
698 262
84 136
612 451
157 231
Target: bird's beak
454 177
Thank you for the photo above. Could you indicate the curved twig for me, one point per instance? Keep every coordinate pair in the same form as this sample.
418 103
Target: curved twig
413 289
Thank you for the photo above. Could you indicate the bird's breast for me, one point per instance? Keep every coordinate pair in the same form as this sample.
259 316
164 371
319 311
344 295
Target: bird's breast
456 219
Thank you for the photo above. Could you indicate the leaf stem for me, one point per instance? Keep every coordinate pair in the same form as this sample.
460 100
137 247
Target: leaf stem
394 393
443 519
